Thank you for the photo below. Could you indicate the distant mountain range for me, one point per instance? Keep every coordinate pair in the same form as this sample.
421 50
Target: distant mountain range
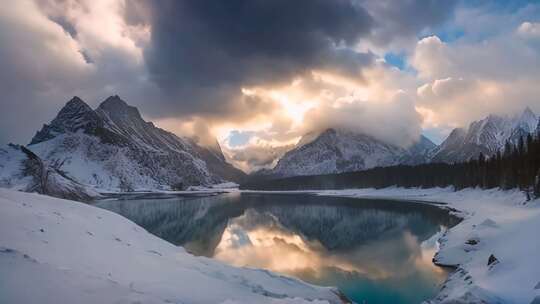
112 148
338 151
334 151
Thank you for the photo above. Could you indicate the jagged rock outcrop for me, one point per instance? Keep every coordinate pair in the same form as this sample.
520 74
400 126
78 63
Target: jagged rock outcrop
114 148
21 169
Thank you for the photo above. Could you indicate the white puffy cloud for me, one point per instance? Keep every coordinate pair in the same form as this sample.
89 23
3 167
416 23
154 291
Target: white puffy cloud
466 79
52 50
529 29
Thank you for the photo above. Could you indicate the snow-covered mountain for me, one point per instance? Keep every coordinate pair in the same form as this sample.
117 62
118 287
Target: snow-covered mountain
21 169
487 136
113 148
336 151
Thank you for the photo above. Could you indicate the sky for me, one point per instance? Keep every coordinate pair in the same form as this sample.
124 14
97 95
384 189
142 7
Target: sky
258 75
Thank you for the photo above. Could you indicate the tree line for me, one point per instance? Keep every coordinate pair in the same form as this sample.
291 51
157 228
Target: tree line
516 166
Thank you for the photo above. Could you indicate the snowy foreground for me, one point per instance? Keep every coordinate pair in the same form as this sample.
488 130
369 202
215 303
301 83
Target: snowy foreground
60 251
495 222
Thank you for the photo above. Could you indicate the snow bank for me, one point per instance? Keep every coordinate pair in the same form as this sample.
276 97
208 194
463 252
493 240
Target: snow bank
60 251
498 223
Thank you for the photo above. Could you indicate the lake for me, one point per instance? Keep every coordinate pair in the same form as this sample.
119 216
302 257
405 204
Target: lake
374 251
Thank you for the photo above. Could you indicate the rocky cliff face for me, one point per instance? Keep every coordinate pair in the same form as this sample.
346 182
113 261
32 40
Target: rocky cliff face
114 148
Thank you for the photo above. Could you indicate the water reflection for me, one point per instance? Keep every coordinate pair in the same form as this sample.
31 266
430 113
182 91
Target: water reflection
259 240
378 251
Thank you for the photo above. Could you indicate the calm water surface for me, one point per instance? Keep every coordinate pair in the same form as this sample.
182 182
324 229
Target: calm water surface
375 251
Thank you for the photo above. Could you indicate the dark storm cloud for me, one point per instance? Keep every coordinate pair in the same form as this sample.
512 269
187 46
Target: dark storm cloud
399 19
204 51
200 54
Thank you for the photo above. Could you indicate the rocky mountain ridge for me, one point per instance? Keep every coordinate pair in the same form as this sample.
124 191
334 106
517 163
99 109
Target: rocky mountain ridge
114 148
487 136
338 151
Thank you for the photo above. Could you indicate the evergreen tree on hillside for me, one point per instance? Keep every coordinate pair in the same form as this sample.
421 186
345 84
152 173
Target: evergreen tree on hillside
515 167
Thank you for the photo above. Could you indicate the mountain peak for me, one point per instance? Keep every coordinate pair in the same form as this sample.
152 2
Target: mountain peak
118 109
74 116
527 115
113 101
75 100
75 105
527 120
528 112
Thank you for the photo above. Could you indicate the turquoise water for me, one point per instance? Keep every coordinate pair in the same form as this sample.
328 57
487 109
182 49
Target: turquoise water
374 251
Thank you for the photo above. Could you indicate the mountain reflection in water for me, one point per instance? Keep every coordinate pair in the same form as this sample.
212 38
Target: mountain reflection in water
374 250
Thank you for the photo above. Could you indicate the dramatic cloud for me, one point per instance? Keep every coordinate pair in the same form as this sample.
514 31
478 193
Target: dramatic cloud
256 155
39 63
396 121
397 23
203 52
258 74
466 80
53 50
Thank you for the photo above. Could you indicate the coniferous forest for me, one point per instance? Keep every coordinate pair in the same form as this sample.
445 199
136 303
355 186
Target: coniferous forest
517 166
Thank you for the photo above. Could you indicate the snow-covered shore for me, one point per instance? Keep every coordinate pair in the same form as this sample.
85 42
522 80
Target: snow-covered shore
60 251
495 222
54 250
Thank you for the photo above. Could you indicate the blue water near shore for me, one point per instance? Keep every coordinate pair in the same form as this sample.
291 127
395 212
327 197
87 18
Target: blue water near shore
374 251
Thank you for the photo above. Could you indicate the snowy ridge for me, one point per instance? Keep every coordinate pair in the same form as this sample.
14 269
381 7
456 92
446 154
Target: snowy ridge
69 252
336 151
114 149
487 136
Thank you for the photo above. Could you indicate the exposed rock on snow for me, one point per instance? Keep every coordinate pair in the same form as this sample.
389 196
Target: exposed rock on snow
113 148
492 260
59 251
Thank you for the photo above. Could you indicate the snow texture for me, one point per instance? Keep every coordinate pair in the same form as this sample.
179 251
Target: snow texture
113 149
60 251
21 169
495 222
337 151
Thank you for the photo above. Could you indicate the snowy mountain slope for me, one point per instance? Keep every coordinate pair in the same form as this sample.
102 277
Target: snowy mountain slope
59 251
113 148
487 136
335 151
21 169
